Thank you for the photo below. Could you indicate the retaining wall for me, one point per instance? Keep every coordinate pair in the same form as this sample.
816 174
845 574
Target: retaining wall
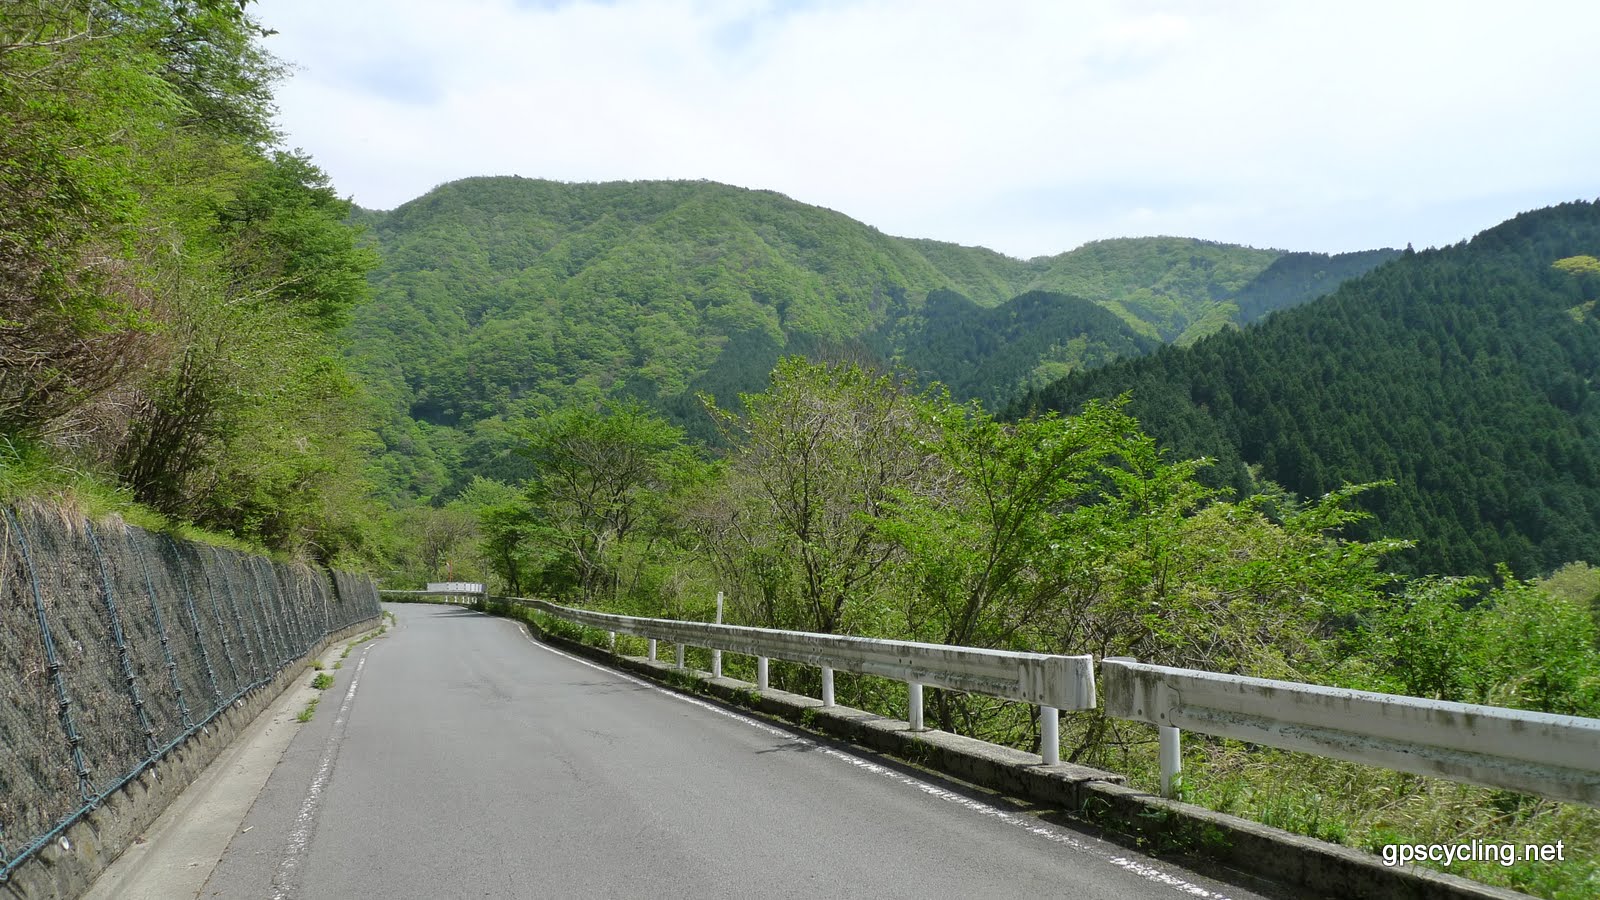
119 645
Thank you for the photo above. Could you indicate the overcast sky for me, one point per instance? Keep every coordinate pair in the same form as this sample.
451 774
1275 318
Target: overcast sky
1028 127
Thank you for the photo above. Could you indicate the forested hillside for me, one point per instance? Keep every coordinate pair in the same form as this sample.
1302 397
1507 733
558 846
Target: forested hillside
994 353
499 298
1465 375
1295 278
1162 287
172 281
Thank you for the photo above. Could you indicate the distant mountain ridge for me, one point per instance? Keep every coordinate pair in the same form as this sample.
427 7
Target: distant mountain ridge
994 353
498 298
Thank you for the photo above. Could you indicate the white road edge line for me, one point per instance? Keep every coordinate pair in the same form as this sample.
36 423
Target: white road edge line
1143 870
305 822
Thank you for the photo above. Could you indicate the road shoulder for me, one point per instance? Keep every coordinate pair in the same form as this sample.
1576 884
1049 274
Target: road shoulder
177 854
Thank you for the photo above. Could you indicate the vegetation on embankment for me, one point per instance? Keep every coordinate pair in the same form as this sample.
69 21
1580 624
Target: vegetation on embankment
172 282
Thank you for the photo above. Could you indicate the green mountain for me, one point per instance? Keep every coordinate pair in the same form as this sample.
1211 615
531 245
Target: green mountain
995 353
1465 375
1162 287
1295 278
499 298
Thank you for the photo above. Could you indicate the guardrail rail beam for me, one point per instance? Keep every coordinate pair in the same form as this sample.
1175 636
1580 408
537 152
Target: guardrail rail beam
1529 752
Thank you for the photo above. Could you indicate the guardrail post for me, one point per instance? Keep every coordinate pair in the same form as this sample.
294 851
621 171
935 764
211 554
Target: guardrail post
827 686
613 643
761 673
680 656
1050 735
914 705
652 649
1171 759
716 655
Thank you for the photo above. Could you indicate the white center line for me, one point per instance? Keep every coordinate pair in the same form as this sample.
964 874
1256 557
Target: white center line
305 822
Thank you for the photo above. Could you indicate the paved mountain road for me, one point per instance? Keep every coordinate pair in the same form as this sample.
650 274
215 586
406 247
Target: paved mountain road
458 758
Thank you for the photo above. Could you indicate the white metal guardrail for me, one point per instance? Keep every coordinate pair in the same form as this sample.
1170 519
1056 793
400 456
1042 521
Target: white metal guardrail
456 587
1530 752
456 597
1052 683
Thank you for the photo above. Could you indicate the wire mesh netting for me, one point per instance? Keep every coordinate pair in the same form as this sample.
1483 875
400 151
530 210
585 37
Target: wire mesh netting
221 634
353 596
166 593
145 644
236 607
38 785
116 643
109 736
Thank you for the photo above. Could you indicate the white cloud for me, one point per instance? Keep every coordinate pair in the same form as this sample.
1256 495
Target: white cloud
1026 126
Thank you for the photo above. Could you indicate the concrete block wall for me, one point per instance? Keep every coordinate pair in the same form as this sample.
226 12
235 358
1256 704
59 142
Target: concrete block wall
124 653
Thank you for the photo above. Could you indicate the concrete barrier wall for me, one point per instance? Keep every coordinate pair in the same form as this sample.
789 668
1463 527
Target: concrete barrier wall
119 645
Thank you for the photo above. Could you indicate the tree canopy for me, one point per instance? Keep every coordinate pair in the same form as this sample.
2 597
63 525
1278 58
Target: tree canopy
172 281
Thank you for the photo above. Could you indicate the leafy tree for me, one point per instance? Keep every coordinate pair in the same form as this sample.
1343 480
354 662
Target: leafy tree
1421 643
817 460
601 478
1515 645
170 282
989 549
1539 650
436 544
510 545
1577 582
1579 266
288 241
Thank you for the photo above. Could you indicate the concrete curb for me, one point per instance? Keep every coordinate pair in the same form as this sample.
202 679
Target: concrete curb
67 866
1091 795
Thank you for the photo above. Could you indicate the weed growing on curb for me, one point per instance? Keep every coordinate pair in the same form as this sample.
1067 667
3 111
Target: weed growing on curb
310 710
322 682
916 751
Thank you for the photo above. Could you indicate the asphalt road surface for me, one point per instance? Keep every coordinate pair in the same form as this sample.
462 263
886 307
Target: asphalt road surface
456 757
